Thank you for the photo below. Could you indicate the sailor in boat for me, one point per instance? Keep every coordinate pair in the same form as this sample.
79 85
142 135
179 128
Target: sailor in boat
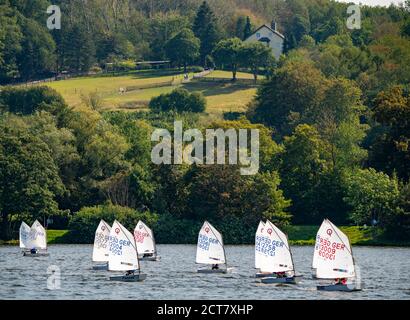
33 251
280 274
130 273
341 281
215 267
148 255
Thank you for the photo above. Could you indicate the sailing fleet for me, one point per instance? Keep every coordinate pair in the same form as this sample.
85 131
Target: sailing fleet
117 249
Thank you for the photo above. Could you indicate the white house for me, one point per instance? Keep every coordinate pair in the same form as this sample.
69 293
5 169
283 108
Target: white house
269 35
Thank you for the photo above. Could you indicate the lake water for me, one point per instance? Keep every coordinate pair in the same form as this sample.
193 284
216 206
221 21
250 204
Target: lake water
385 274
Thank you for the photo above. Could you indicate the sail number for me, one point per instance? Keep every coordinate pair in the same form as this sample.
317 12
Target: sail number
204 242
101 240
267 246
116 245
328 249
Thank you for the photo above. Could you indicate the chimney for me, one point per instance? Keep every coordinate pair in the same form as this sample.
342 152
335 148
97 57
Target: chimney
273 25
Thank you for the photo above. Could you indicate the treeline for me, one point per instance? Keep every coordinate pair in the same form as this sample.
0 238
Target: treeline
102 34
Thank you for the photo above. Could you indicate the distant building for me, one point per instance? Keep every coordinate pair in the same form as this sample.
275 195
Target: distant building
269 35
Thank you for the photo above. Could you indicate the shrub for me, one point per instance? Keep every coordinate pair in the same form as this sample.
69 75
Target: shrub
179 100
85 222
29 100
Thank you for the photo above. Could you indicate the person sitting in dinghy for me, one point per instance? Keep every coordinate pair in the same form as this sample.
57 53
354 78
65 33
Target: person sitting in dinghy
215 267
130 273
341 281
33 251
280 274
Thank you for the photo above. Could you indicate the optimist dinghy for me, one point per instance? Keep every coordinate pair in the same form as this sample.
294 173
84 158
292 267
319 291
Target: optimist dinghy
275 259
333 259
145 241
35 245
123 255
100 250
24 237
210 250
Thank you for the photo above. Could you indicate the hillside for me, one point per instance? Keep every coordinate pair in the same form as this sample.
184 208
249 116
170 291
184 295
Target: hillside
141 86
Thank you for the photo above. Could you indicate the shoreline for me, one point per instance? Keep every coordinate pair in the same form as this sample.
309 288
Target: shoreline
298 236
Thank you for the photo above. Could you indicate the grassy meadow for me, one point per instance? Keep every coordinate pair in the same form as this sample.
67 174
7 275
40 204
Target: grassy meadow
143 85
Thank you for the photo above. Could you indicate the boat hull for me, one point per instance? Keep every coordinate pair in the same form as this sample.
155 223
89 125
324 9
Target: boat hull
38 254
338 287
153 258
131 278
288 280
100 267
209 271
264 275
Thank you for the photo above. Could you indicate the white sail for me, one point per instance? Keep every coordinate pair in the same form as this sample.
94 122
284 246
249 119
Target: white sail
122 254
333 254
144 238
102 235
259 241
38 236
210 248
24 236
277 255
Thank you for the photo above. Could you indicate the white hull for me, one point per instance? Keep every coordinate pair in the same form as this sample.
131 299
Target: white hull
288 280
130 278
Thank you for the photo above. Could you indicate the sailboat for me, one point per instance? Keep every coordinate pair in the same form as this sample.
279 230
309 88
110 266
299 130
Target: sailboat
145 241
333 259
276 261
24 236
100 249
123 254
210 250
37 241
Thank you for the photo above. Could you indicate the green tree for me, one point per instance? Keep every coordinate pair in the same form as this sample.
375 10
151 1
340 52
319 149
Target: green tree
10 44
292 93
206 29
304 163
37 55
256 55
183 48
78 47
247 31
219 192
179 100
29 180
371 195
390 150
227 53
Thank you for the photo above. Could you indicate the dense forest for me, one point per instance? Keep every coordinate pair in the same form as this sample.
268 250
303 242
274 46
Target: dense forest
333 114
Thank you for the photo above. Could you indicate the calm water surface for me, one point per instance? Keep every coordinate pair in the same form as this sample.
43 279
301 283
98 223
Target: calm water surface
385 274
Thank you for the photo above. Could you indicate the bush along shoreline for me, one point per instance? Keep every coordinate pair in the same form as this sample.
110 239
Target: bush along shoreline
186 232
